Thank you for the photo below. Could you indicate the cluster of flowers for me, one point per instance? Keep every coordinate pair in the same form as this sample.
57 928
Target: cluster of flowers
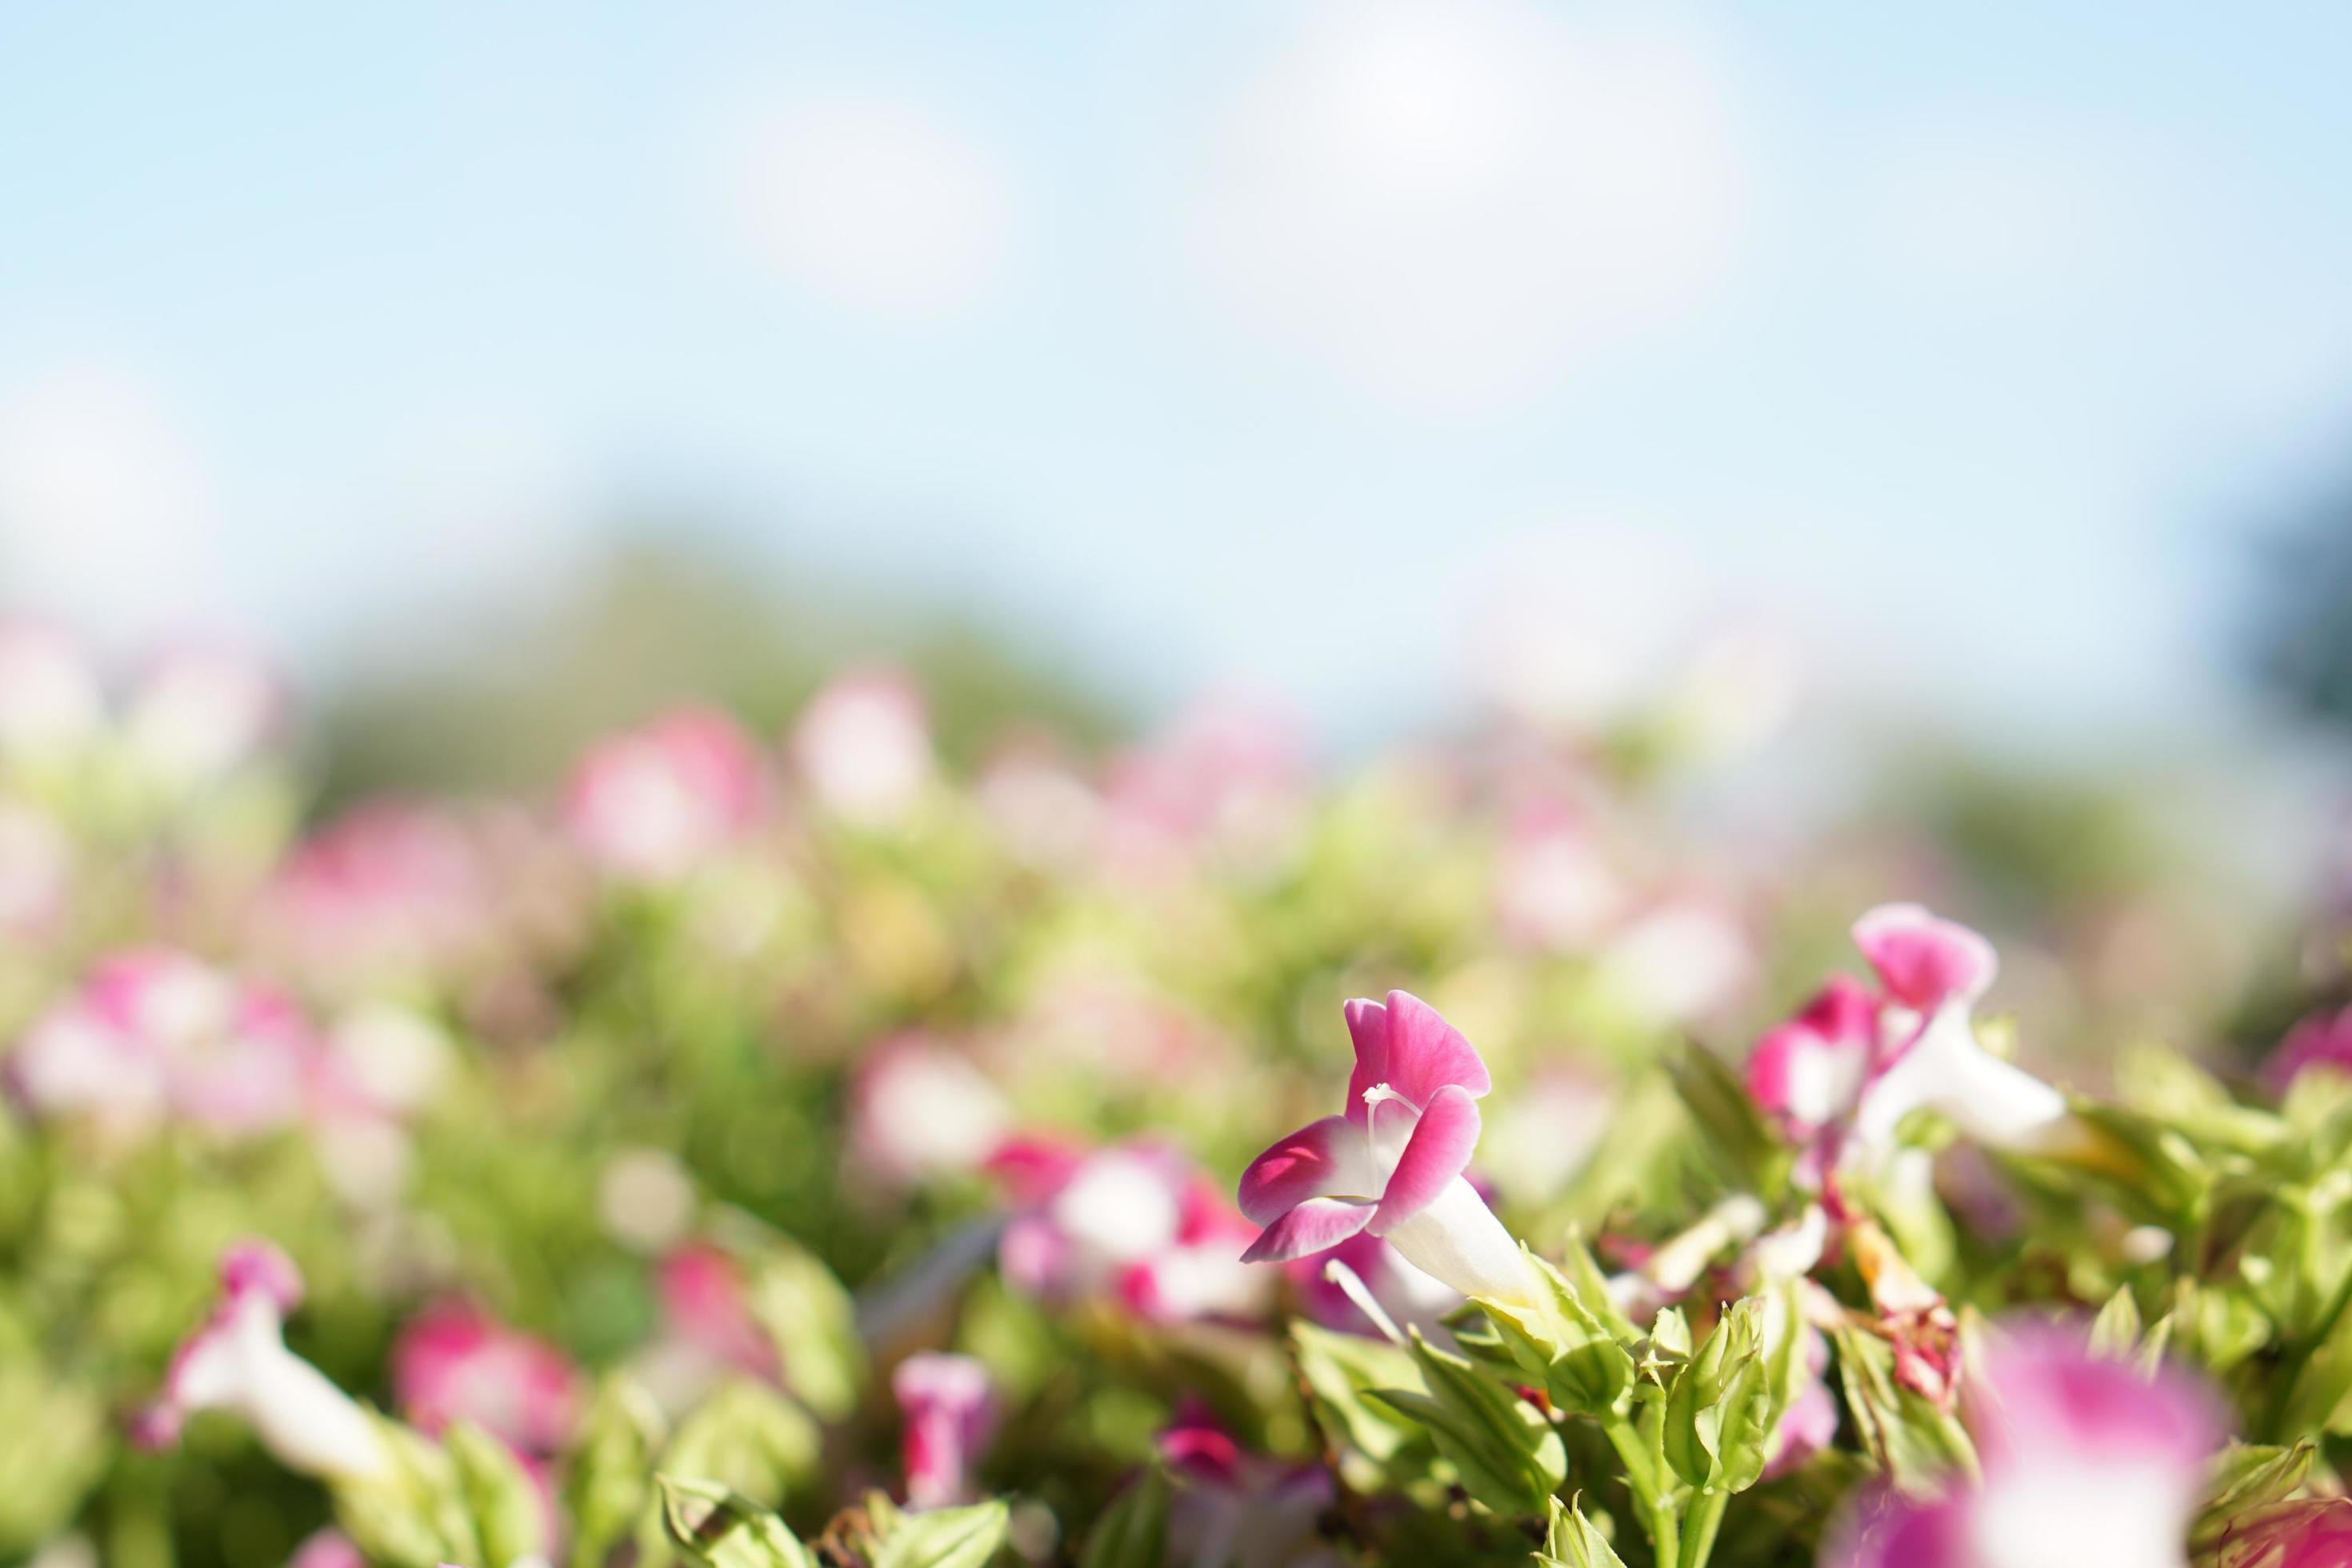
785 1155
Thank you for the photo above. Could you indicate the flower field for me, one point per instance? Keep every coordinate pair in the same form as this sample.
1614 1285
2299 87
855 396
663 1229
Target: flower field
769 1150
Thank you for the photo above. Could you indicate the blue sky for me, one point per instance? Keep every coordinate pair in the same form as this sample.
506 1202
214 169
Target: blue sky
1242 341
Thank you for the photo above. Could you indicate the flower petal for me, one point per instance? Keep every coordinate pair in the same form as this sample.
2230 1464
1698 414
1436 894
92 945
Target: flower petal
1321 1159
1440 1148
1425 1053
1809 1069
1922 960
1311 1226
1368 1027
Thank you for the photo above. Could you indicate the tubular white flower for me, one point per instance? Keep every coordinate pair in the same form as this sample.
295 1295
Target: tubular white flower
1458 1240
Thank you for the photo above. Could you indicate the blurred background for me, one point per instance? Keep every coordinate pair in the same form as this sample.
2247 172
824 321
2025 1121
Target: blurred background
1979 387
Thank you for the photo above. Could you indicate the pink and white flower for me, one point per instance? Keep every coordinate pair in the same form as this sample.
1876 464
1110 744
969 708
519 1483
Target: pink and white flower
950 1410
2084 1460
1842 1074
863 745
329 1548
1409 1297
1137 1224
238 1361
1391 1165
1555 891
662 800
454 1362
919 1110
158 1032
1225 782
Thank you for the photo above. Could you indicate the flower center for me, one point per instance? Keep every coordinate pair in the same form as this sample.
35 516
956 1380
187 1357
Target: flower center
1388 1134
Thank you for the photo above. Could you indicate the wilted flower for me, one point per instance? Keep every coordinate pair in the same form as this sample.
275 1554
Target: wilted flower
2085 1461
921 1110
950 1410
659 801
863 745
454 1362
1392 1163
238 1361
1136 1223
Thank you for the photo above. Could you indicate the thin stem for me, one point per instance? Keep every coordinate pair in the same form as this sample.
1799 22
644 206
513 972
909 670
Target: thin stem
1645 1469
1706 1518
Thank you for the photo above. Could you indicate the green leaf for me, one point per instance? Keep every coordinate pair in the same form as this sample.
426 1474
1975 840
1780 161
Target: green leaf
1918 1446
1571 1541
1506 1455
1133 1531
1717 1419
748 1437
712 1525
1732 1134
2245 1476
609 1486
498 1497
814 1324
946 1537
1342 1373
1561 1341
2114 1332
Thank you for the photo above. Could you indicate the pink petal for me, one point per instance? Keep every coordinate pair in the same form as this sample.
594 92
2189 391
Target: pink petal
1305 1164
1311 1226
1885 1529
1368 1027
262 1267
1810 1068
1922 961
2044 1398
1408 1047
1437 1153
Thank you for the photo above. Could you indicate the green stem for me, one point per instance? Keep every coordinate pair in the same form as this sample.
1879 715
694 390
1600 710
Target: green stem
2291 1370
1645 1473
1706 1518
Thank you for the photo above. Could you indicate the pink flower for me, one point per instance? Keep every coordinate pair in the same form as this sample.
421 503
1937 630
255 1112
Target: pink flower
1408 1296
1391 1165
2084 1461
390 892
237 1361
1226 781
2308 1532
704 1304
200 712
36 866
156 1032
919 1109
1046 812
1842 1074
950 1412
1555 892
2320 1041
328 1548
863 745
453 1363
662 800
1136 1223
1237 1507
